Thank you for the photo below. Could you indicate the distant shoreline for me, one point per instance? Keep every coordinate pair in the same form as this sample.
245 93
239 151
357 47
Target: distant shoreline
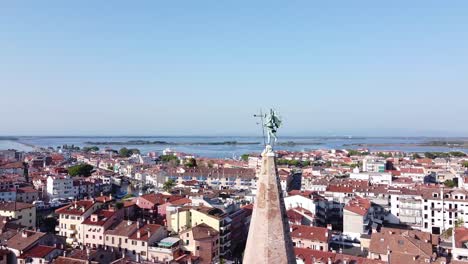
435 143
226 143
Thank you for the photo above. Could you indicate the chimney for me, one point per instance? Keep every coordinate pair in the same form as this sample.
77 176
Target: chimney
329 226
329 261
24 233
138 234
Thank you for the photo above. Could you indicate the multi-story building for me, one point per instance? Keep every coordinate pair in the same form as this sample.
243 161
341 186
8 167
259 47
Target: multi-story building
232 178
310 201
394 246
181 218
97 223
134 238
60 186
202 241
23 213
312 237
82 188
26 194
39 254
165 250
71 218
442 208
372 165
358 216
406 206
12 168
8 195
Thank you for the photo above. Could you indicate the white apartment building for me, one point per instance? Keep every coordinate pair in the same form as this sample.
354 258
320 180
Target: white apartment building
71 218
442 208
370 165
406 206
372 177
59 187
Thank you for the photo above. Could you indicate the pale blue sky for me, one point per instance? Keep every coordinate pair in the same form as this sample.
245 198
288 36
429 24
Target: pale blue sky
204 67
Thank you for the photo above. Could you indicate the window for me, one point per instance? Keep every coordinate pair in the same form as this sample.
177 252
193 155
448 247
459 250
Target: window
198 247
186 242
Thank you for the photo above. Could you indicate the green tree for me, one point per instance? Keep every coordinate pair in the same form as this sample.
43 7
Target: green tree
168 158
305 163
169 185
294 163
125 152
416 156
191 163
245 157
80 170
384 155
457 154
465 164
450 183
353 152
89 149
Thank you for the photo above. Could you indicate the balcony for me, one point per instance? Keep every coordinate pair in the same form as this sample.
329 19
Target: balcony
71 231
225 233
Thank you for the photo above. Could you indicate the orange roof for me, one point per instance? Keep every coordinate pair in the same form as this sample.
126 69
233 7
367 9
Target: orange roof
312 233
76 208
358 205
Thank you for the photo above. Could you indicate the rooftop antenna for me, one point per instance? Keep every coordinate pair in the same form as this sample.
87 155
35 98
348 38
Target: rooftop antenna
261 116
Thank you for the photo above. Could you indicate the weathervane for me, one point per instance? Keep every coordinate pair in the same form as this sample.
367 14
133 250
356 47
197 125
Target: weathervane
270 123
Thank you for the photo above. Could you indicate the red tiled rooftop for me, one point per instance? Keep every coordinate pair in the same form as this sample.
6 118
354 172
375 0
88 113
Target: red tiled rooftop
312 233
145 232
76 208
358 205
102 217
38 251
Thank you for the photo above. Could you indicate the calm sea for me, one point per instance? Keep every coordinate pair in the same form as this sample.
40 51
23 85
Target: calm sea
230 151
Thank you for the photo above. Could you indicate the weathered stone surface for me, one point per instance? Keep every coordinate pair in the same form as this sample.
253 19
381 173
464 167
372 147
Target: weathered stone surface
269 240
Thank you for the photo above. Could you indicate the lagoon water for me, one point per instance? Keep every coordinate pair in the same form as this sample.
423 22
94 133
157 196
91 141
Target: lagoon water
230 151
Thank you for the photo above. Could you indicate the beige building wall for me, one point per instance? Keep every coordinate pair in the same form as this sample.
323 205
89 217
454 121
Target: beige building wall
178 220
70 225
352 223
26 216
